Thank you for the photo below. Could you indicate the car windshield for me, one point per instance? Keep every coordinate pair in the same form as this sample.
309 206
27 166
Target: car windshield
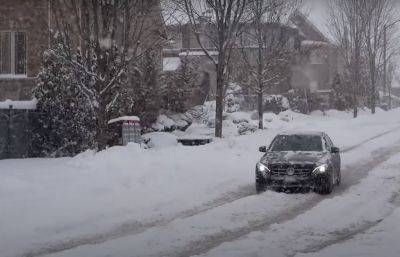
297 143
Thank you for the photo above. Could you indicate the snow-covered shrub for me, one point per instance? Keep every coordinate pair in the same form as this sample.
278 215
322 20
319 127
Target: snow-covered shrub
202 113
233 98
246 128
342 98
231 103
297 101
238 121
276 103
169 122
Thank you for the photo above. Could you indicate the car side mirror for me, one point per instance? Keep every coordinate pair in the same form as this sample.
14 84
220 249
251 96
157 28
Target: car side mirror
262 149
335 149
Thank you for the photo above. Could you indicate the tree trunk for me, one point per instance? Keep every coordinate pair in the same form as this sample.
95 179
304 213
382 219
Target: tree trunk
260 110
219 100
373 97
355 107
101 130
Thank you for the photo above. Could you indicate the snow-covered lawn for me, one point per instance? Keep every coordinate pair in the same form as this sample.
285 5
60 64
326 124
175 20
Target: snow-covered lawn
124 190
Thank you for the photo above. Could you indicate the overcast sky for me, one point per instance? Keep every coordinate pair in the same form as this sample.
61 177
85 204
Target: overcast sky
317 11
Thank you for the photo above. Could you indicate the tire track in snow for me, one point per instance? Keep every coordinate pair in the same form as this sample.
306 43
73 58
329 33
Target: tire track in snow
348 149
135 227
348 234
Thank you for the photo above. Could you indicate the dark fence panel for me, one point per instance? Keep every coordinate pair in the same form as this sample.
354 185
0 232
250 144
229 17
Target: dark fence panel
15 133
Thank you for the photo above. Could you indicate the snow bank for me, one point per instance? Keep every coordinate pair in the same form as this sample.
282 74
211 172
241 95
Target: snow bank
161 139
21 105
124 118
171 63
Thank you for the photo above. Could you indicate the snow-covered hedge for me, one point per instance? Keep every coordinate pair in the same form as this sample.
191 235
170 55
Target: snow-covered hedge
169 122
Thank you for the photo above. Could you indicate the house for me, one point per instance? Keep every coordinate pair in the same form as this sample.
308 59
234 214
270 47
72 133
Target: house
313 68
318 61
183 44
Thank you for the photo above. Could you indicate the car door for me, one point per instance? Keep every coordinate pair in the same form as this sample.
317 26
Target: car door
335 156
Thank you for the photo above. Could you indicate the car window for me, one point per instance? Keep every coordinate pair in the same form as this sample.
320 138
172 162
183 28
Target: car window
329 140
328 145
297 143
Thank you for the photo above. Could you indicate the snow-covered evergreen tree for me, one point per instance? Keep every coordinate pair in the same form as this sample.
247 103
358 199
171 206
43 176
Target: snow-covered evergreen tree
182 86
66 119
146 101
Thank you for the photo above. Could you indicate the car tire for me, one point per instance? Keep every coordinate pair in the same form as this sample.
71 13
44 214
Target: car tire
261 185
324 185
339 178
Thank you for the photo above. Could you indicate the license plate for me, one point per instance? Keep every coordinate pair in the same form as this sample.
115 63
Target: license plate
290 179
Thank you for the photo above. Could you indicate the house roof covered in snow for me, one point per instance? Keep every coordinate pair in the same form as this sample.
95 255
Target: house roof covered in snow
307 28
197 53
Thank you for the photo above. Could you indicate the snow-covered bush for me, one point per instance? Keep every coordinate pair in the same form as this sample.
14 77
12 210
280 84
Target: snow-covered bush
297 101
342 99
246 128
276 103
169 122
233 98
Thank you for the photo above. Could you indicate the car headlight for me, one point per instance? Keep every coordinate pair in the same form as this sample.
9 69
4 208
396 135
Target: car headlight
321 169
261 167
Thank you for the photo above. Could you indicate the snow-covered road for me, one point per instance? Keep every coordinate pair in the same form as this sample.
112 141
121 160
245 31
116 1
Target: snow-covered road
95 206
229 222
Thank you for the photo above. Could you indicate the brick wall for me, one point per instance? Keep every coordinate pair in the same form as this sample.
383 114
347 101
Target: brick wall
28 16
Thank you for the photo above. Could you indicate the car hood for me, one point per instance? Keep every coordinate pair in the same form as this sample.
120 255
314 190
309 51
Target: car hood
294 157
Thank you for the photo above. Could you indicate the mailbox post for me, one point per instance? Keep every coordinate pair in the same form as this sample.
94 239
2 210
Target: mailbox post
131 129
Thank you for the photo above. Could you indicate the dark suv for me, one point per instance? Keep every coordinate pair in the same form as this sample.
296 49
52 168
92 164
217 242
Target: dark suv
302 160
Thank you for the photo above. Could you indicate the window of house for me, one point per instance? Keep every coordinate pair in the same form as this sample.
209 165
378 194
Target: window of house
12 53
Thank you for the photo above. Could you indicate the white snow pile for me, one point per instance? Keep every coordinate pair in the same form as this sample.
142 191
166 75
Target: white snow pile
171 63
124 118
169 122
21 105
160 139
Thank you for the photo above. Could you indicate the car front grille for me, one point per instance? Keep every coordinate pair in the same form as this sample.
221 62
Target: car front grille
281 169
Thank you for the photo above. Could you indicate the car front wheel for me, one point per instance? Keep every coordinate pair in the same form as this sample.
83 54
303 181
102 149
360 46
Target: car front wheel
261 185
324 185
339 178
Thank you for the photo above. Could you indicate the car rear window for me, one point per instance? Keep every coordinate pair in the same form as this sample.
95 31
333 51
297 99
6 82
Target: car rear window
311 143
